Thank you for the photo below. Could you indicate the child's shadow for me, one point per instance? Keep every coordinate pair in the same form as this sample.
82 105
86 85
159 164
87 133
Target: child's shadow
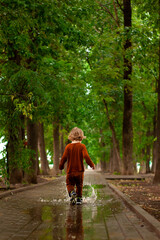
74 223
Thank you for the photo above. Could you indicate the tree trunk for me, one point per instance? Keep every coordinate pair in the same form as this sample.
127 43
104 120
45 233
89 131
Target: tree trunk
61 142
114 140
37 161
32 139
56 148
115 161
148 170
13 166
156 179
111 161
127 112
155 152
15 173
41 146
148 151
22 129
104 166
155 157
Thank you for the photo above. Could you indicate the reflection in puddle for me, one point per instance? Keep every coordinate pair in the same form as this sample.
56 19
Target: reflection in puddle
59 220
74 223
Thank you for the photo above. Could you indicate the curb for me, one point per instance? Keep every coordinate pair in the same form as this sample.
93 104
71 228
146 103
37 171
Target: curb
150 220
22 189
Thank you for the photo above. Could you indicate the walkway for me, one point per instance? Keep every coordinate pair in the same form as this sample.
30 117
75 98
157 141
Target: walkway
44 213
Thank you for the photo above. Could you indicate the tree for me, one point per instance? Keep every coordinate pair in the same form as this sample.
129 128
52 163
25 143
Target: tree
145 75
56 146
117 166
157 173
127 112
34 35
42 150
81 63
32 141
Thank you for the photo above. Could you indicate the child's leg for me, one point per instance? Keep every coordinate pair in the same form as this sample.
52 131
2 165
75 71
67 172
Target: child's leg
70 182
79 184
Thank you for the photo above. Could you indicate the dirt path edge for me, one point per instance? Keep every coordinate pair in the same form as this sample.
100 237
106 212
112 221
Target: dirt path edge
150 220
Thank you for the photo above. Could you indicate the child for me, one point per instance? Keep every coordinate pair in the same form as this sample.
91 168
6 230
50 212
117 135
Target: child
74 154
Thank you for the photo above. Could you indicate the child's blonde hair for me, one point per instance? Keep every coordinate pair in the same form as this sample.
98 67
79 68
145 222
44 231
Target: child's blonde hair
76 134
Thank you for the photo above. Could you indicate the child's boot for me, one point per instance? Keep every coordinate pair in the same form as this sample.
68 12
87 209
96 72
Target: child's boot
73 196
79 201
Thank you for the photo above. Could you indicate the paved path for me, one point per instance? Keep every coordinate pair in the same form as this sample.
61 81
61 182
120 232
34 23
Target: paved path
45 213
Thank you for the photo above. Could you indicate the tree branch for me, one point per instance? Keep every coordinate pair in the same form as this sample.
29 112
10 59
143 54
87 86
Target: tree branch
116 13
107 10
120 5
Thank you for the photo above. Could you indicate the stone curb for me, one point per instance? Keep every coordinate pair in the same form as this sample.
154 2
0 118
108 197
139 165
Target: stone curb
151 221
22 189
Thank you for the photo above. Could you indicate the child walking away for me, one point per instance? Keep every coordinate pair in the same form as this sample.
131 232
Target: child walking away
74 154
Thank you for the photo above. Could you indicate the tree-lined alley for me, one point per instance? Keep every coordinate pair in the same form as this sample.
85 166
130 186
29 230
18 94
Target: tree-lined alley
91 64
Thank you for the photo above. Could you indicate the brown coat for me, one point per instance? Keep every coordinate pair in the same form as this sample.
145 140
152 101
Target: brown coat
74 154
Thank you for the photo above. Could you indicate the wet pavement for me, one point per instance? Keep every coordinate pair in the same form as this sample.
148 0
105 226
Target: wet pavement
45 213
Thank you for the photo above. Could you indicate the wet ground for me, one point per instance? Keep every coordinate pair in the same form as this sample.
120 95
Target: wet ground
45 213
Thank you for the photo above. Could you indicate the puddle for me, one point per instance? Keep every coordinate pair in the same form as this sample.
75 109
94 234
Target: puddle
95 186
57 219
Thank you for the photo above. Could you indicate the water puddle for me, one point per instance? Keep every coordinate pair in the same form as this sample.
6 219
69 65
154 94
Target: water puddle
58 219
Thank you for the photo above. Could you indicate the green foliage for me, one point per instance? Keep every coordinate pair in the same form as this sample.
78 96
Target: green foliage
60 59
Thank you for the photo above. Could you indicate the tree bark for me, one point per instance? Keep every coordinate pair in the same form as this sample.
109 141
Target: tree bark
41 146
37 162
14 171
148 170
104 165
148 151
61 142
127 112
32 140
156 179
111 160
56 148
155 157
115 141
114 164
154 151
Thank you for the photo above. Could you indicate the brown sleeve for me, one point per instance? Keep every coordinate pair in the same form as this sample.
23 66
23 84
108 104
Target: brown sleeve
63 159
87 157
